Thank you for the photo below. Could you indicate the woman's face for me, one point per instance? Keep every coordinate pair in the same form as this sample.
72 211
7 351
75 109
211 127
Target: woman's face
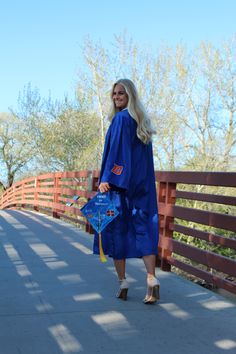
120 97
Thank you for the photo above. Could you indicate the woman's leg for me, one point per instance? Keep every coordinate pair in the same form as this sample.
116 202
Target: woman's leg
153 284
120 268
123 285
150 264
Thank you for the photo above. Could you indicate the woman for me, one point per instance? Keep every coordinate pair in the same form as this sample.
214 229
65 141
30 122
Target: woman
127 173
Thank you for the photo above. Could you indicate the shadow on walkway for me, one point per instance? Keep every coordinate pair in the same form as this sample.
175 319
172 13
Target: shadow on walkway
56 297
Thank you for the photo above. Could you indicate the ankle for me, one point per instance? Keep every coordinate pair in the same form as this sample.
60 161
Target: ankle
150 276
121 278
123 283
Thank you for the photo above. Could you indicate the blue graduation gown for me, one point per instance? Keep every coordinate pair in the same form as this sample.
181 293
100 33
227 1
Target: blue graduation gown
127 165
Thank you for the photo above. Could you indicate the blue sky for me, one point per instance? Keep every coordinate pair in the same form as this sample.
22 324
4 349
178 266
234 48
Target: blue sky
41 40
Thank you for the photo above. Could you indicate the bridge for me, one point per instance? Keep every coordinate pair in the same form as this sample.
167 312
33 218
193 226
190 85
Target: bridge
56 297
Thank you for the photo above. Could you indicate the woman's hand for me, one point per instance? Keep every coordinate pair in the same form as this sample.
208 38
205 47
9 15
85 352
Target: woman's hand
104 187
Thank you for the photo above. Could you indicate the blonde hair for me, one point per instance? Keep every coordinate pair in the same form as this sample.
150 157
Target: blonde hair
135 109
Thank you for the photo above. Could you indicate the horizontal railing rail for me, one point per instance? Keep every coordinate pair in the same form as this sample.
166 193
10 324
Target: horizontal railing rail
189 214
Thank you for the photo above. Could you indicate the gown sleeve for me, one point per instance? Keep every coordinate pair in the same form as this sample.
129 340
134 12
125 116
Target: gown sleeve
117 169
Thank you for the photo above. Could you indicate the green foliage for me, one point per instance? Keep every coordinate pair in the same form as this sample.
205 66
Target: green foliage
15 149
71 141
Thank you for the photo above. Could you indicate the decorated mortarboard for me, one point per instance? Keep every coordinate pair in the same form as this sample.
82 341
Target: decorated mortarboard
100 211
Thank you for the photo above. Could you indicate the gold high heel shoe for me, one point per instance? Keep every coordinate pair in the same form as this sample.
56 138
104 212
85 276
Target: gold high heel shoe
153 290
123 290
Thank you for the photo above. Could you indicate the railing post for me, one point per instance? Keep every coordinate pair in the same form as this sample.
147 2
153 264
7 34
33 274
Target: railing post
36 186
166 201
55 196
23 195
91 188
13 189
95 179
3 199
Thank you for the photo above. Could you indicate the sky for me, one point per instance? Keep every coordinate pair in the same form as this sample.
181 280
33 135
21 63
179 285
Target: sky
41 40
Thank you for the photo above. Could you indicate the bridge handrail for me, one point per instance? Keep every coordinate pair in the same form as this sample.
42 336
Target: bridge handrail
57 193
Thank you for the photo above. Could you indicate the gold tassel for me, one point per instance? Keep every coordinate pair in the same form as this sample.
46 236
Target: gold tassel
102 255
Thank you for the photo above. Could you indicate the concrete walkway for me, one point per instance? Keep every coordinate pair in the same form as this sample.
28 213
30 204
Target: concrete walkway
56 297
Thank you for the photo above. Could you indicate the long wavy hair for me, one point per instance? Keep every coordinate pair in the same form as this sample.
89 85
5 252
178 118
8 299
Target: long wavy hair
135 109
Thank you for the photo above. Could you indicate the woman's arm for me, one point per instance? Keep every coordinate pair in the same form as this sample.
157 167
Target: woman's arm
117 168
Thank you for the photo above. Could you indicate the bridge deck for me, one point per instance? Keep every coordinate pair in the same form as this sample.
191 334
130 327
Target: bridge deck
56 297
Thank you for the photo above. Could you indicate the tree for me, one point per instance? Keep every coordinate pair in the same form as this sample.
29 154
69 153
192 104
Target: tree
220 68
161 79
64 135
189 95
71 141
15 149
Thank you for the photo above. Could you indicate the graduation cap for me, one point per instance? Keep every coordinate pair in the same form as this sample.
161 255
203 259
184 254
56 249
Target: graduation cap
100 211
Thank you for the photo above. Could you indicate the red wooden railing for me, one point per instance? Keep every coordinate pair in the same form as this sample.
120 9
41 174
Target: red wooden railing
210 266
56 193
53 193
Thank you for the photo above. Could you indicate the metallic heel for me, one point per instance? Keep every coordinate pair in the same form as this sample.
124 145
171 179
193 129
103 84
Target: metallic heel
123 290
153 291
122 294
